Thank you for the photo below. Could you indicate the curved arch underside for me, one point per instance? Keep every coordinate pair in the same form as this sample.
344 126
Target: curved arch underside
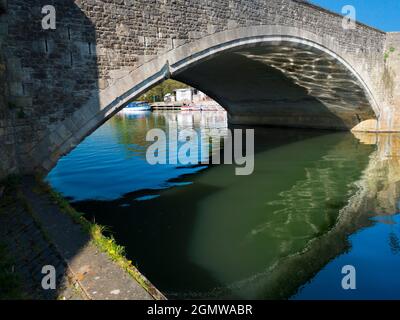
285 84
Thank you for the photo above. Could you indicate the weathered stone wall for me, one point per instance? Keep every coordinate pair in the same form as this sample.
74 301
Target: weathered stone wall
48 72
7 145
51 74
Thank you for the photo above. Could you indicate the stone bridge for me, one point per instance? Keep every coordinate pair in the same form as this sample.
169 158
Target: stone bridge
268 62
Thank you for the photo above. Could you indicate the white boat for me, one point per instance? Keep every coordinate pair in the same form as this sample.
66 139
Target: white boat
137 106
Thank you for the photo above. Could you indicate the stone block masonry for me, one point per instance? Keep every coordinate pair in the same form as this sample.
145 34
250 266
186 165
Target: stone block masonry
391 77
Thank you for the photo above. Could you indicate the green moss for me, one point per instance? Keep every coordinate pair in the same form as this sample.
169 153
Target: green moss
386 55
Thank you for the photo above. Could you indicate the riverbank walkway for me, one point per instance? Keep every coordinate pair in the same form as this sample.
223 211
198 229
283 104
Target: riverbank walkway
36 232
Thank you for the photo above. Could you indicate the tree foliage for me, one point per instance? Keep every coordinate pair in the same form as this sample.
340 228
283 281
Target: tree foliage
158 92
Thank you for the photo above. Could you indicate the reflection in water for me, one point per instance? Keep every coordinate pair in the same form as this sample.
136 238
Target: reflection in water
315 202
370 225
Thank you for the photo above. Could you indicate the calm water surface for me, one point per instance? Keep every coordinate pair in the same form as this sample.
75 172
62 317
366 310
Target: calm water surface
316 201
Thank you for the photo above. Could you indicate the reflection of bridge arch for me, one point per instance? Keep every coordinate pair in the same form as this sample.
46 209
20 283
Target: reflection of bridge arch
350 200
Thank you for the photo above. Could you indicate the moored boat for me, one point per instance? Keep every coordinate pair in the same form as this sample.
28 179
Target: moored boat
137 106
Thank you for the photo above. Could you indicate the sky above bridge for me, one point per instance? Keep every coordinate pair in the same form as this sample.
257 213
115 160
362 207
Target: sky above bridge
381 14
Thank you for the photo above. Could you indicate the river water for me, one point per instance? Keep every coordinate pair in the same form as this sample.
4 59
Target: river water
316 202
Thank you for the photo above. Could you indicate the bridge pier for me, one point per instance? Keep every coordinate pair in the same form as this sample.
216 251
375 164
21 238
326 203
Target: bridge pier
388 89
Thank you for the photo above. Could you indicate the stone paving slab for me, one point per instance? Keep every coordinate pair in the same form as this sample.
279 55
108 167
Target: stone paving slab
99 277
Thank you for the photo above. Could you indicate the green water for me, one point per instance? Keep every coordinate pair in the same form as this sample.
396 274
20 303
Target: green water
202 231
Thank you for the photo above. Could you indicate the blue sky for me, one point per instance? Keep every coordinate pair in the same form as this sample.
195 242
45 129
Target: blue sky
381 14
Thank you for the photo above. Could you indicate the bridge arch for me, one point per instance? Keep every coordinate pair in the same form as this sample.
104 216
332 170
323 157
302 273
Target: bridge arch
256 44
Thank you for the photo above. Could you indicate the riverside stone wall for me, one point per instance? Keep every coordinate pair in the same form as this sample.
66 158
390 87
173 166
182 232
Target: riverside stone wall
7 144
